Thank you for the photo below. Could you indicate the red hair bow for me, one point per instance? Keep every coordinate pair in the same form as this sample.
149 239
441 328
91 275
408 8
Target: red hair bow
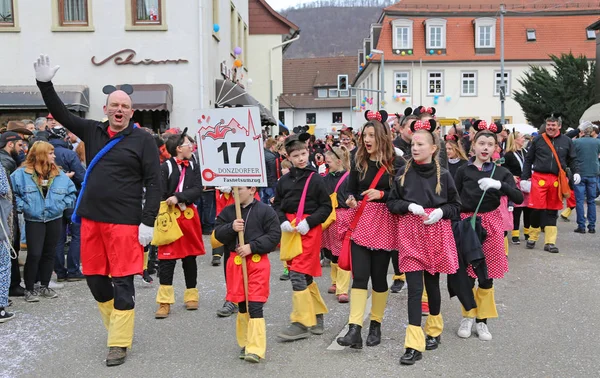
419 125
493 127
428 110
371 115
482 125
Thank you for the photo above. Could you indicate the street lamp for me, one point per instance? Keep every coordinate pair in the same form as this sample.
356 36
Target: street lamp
382 77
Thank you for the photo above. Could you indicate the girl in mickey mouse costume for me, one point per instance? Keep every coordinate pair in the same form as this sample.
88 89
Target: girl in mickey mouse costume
480 182
426 199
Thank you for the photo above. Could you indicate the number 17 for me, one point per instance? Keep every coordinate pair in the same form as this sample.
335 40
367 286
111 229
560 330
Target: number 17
238 157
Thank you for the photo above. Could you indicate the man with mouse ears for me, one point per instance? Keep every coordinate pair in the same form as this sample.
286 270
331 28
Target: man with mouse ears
115 226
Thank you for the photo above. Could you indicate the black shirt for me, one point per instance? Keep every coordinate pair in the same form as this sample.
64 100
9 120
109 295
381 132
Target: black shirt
419 188
115 186
331 181
453 167
513 161
540 158
404 146
467 185
192 182
289 191
358 184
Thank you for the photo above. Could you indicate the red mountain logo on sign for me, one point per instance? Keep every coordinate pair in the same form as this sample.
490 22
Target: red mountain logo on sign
219 130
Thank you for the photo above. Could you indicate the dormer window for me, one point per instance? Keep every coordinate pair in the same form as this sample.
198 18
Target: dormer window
591 34
436 34
403 34
531 35
485 35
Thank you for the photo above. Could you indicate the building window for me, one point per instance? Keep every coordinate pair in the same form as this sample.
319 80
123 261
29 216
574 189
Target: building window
507 119
337 117
531 35
485 36
436 33
282 116
436 83
147 12
403 35
233 27
322 93
353 92
333 93
73 12
215 14
485 33
498 83
240 36
402 82
345 93
468 84
244 46
435 37
311 118
7 14
591 34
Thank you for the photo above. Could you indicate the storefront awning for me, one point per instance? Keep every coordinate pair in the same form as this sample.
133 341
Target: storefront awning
75 97
229 93
152 97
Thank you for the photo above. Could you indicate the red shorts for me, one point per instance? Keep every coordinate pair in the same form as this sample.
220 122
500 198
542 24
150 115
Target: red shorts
259 274
191 243
309 261
110 249
544 192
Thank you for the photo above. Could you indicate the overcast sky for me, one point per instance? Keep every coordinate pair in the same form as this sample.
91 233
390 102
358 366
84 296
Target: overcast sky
283 4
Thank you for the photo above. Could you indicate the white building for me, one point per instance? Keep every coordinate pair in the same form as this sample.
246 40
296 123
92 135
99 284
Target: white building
311 97
176 54
448 56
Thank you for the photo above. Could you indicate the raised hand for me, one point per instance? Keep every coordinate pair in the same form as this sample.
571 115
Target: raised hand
43 71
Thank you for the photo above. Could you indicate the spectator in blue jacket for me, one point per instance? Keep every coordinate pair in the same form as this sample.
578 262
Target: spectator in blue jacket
68 160
587 149
42 192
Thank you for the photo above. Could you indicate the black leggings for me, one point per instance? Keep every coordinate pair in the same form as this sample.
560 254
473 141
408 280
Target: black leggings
104 289
327 253
368 263
256 309
300 281
543 218
166 269
41 251
395 263
415 292
517 217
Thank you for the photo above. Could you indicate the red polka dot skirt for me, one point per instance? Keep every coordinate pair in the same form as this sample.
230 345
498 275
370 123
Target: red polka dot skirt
333 236
377 228
507 218
426 247
493 246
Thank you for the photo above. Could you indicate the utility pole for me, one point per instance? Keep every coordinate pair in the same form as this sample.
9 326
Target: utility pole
502 81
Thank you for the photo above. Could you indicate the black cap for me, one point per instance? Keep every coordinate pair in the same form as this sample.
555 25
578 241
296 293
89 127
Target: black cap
9 136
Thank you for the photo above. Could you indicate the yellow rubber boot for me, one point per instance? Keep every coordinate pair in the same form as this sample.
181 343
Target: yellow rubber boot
241 329
434 325
358 302
106 309
191 298
257 339
165 294
120 330
333 273
343 282
550 235
318 303
472 313
379 302
486 304
415 338
534 233
303 309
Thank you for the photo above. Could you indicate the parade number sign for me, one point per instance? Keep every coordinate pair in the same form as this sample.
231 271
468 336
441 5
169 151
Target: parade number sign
231 147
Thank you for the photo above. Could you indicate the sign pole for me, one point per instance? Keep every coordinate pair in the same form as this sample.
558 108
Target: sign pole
238 215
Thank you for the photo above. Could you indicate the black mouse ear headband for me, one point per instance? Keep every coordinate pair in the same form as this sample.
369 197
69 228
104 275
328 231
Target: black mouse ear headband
108 89
380 115
481 125
451 138
428 125
294 138
182 136
301 130
418 111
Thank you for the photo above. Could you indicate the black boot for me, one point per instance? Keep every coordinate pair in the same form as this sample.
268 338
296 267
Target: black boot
432 343
410 357
551 248
374 337
353 338
530 244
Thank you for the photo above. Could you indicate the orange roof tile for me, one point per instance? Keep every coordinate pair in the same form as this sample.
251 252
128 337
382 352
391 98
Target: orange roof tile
265 20
492 5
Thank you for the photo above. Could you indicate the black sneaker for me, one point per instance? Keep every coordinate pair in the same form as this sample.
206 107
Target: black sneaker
146 277
294 331
216 260
579 230
5 315
16 291
551 248
228 309
397 286
515 240
530 244
592 231
75 277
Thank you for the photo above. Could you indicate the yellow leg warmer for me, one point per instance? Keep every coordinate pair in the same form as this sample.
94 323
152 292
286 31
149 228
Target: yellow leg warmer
424 297
257 337
120 330
106 308
415 338
241 329
358 302
434 325
214 243
472 313
190 295
318 303
145 260
526 231
506 245
303 309
550 235
516 233
401 277
534 233
333 273
566 212
486 304
378 306
343 282
165 294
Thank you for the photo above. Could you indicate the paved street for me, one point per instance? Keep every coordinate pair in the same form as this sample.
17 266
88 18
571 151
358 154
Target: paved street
548 327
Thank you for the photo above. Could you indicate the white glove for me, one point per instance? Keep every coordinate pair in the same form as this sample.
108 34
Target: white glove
576 178
145 234
416 209
525 186
43 71
434 217
287 227
322 169
303 227
489 183
224 189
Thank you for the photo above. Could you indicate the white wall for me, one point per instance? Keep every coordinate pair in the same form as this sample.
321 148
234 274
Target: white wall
297 117
485 105
258 65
